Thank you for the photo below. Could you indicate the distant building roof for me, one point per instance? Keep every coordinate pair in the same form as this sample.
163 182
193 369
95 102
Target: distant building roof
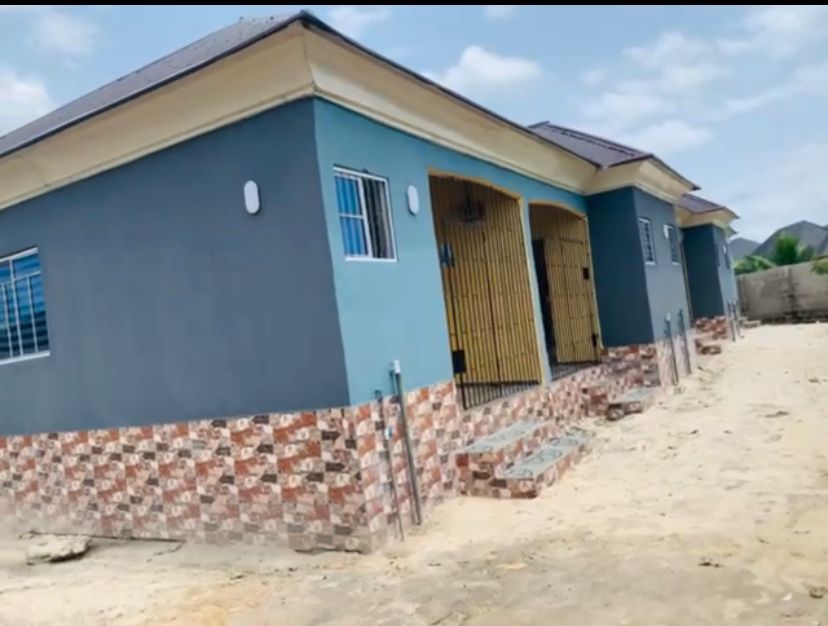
206 50
599 151
808 233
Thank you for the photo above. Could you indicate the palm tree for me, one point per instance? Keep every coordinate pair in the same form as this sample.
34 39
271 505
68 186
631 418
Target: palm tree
752 263
787 251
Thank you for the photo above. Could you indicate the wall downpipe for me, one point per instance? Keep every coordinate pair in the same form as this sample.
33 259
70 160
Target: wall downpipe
396 374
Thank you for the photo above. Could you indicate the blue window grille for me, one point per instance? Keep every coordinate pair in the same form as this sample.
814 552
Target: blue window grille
364 215
672 236
647 242
23 332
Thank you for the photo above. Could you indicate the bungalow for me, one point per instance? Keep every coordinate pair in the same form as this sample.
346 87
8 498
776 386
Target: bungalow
711 283
220 273
636 253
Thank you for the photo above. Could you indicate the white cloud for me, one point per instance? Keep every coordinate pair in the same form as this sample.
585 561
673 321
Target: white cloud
671 75
615 111
22 99
57 31
813 78
355 20
756 101
594 77
654 81
65 33
789 187
668 137
779 30
499 11
669 49
809 80
679 79
480 70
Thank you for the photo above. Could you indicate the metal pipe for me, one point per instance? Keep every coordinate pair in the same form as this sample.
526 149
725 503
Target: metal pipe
388 434
396 373
668 331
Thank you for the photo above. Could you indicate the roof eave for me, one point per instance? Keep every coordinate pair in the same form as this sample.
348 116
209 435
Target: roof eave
311 20
279 26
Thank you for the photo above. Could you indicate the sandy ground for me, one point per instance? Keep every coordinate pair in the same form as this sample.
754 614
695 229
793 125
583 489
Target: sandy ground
711 508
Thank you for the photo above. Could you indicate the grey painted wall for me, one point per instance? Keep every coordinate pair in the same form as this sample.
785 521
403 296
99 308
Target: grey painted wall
712 283
618 262
727 280
166 301
700 251
665 280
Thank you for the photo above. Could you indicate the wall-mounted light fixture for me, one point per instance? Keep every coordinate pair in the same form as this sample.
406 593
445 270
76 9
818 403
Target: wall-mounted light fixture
252 202
413 200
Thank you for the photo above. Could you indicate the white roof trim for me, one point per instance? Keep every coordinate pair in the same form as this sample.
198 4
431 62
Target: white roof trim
291 64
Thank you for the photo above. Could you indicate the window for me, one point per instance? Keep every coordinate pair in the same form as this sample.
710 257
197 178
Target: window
364 215
726 256
647 242
22 308
673 238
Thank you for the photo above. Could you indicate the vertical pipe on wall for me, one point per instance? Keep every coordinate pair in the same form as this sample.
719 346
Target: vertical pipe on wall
396 373
388 435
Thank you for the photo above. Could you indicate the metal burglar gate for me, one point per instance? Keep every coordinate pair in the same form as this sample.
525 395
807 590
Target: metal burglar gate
486 290
560 244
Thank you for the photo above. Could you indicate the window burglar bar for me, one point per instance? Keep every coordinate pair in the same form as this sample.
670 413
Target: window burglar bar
23 332
364 216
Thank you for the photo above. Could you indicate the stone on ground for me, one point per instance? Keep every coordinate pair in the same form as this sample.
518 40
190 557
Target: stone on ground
55 548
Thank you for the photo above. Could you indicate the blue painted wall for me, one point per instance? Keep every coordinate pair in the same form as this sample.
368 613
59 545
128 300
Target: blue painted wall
166 301
618 262
712 285
665 280
395 310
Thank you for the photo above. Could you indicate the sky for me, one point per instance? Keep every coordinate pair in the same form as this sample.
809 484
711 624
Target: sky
735 98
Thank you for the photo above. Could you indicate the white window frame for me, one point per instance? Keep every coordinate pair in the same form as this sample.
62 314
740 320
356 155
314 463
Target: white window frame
673 229
649 223
363 217
23 357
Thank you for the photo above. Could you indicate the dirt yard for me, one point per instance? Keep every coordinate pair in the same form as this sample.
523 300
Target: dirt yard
711 508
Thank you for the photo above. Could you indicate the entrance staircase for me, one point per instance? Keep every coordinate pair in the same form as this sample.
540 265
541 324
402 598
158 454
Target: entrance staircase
521 460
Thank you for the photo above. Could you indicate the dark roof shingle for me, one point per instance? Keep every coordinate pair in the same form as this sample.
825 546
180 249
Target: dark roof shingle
597 150
601 152
697 204
206 50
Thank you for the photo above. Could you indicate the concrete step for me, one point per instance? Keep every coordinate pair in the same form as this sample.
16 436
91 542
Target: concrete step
490 457
598 394
636 400
705 344
546 466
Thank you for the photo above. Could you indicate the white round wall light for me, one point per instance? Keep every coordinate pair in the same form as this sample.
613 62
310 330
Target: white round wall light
413 200
252 202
